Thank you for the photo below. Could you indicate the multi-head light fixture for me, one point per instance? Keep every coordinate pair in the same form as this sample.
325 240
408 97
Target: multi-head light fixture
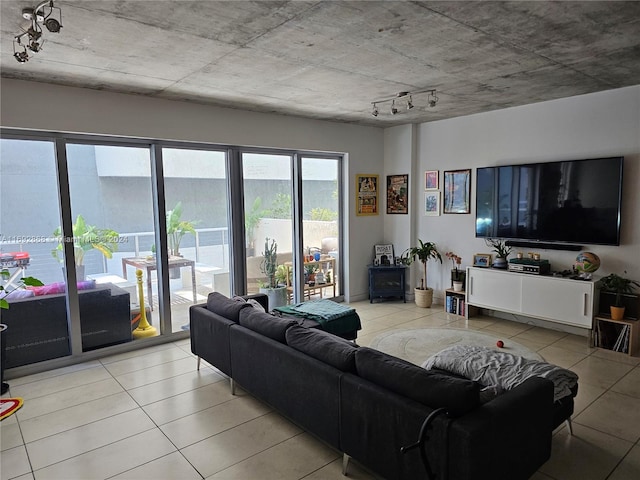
30 40
403 101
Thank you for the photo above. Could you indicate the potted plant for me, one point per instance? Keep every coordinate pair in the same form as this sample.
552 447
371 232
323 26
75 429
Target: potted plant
423 252
176 230
457 274
251 221
4 292
85 238
502 252
619 286
269 266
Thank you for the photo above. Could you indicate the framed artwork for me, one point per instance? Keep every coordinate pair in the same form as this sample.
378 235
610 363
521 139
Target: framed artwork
384 255
457 191
482 260
431 178
366 194
432 203
398 194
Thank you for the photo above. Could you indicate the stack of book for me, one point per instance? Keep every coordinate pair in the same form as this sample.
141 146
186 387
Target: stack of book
455 305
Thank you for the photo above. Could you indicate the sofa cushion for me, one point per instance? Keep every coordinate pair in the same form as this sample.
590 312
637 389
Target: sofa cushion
225 307
265 324
323 346
435 389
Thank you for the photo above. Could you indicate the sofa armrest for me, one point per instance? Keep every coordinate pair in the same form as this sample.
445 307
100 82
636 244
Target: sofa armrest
210 337
509 436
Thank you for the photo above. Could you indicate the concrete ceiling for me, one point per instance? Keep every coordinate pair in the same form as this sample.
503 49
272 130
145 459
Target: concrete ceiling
330 59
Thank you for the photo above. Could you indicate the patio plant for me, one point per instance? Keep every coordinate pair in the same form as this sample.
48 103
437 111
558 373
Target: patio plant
423 252
620 286
251 221
177 229
269 266
85 238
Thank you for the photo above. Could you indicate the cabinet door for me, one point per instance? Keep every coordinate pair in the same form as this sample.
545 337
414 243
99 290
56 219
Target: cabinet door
560 300
494 289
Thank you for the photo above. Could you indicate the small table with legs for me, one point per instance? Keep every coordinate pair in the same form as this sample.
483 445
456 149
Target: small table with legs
149 265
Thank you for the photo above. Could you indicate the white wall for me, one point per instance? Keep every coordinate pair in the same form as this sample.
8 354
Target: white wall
39 106
588 126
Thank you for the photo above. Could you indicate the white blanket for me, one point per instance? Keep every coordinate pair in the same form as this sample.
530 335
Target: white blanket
493 368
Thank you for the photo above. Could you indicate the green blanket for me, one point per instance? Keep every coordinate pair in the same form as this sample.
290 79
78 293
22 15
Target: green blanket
332 317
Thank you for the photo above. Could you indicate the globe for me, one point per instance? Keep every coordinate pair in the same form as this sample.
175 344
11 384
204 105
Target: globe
587 262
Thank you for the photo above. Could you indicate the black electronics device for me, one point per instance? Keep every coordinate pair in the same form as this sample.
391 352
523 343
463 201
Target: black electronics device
528 265
563 203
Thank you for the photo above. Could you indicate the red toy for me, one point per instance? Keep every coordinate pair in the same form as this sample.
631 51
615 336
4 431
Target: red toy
500 343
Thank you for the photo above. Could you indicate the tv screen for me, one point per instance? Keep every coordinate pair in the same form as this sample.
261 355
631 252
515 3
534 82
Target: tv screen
571 201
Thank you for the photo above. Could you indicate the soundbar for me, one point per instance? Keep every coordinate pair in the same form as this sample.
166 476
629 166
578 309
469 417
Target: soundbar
543 245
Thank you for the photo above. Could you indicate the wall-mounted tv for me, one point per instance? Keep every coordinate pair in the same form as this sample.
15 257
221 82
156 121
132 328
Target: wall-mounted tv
574 201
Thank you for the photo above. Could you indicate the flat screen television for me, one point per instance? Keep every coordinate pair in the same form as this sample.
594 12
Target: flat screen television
574 201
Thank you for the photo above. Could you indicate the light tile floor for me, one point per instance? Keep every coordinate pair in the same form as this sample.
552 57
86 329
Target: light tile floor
151 415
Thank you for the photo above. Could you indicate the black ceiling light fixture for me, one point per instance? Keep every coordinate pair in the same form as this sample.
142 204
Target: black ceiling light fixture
403 101
30 40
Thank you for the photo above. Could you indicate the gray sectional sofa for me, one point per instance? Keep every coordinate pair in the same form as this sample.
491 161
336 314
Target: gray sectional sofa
368 405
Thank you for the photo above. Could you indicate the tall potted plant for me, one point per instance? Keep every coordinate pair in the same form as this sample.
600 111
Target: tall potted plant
176 230
269 266
86 238
423 252
502 252
619 286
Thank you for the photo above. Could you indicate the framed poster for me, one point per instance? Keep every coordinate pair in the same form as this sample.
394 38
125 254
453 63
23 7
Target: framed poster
384 255
457 190
432 203
431 178
366 194
398 194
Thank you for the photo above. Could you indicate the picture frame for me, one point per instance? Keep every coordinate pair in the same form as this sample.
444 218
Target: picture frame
432 204
457 191
431 180
367 187
398 194
482 260
383 255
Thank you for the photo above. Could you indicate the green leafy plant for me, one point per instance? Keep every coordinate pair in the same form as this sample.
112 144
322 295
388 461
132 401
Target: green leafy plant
281 275
269 263
619 285
177 228
323 214
422 252
280 207
498 246
252 220
22 283
85 238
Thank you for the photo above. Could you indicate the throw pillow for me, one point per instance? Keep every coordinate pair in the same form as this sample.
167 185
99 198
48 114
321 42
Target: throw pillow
265 324
225 307
435 389
323 346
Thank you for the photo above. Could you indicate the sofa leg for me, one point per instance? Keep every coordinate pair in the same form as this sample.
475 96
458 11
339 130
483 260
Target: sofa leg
232 384
345 463
199 363
569 425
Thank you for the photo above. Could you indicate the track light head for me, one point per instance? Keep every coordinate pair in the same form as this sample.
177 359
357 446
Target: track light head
52 25
409 103
375 110
394 110
403 102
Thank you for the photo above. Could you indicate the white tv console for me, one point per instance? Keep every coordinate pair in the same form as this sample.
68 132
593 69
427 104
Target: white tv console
556 299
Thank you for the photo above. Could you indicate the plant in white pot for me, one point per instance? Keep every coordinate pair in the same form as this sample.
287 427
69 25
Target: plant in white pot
269 266
423 252
502 252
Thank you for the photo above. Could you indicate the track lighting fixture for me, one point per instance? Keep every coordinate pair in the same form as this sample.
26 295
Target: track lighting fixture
30 40
403 100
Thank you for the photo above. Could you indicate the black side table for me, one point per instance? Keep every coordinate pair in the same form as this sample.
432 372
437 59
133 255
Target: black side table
386 281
